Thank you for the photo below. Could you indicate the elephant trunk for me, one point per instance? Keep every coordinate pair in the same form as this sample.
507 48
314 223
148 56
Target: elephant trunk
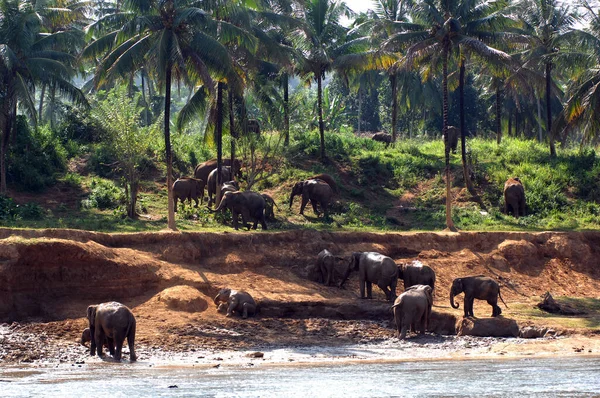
218 209
454 305
216 299
346 275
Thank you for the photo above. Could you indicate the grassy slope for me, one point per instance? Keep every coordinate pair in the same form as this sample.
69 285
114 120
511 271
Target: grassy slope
398 188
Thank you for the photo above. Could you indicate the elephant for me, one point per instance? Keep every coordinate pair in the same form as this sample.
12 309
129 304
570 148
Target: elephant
250 205
412 309
382 137
236 301
476 287
328 179
372 268
111 322
326 266
86 336
514 197
416 274
453 136
230 186
253 126
315 190
211 183
187 188
269 205
202 171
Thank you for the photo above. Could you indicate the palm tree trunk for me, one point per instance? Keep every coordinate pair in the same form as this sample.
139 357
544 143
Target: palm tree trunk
169 155
53 106
219 139
359 107
549 109
510 123
41 108
320 111
394 85
449 222
498 115
286 110
146 110
539 114
232 131
463 137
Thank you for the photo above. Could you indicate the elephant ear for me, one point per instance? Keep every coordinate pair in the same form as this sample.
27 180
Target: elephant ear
91 314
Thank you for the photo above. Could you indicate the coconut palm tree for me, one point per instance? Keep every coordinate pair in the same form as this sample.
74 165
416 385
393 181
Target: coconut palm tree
319 40
28 57
176 39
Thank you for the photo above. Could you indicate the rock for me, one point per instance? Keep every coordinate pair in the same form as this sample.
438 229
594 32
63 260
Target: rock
487 327
563 246
256 354
532 332
441 323
548 304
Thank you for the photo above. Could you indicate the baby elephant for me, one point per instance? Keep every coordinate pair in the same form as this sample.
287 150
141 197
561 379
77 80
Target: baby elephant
236 301
326 266
412 308
86 336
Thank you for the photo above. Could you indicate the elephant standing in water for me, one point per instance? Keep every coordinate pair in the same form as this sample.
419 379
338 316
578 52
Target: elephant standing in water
250 205
372 268
317 191
514 197
111 322
235 301
476 287
412 309
187 188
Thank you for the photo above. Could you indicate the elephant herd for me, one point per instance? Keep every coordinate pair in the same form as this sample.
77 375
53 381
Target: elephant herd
412 308
251 206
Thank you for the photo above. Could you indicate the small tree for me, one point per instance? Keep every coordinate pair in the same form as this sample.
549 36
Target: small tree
262 156
119 115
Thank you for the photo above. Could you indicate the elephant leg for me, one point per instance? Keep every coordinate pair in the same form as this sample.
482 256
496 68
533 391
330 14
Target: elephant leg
515 209
469 306
233 302
313 203
248 307
362 284
329 275
388 293
111 345
496 310
303 204
196 201
131 343
100 337
369 290
324 208
263 222
235 215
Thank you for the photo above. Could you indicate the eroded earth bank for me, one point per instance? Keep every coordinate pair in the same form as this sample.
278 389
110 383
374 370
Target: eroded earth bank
49 277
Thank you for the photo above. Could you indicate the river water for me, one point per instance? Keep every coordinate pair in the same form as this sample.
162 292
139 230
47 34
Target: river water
534 377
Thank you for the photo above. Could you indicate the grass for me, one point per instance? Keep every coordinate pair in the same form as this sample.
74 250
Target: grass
563 193
589 321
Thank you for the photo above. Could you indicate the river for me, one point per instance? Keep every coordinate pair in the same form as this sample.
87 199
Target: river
534 377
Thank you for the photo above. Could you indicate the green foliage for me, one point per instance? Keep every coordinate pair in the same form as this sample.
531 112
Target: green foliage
8 208
104 195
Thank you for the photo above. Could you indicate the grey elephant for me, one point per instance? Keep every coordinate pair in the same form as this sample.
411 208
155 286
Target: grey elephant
269 206
230 186
326 266
187 188
514 197
416 273
412 310
250 205
203 169
211 183
111 322
453 136
382 137
476 287
318 192
236 301
328 179
372 268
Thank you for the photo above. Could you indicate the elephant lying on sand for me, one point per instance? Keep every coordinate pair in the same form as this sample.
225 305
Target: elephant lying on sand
187 188
416 273
112 322
476 287
250 205
317 191
372 268
412 309
326 266
514 197
236 301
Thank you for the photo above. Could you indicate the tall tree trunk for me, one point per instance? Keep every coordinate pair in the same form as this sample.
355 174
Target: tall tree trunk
359 107
146 110
41 108
539 115
510 123
394 85
219 139
232 132
286 109
549 109
320 111
498 115
169 155
449 222
53 106
463 136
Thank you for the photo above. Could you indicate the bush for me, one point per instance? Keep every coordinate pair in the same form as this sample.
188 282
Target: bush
8 208
31 211
104 195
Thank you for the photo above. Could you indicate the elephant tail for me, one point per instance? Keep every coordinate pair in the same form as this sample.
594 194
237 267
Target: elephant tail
499 295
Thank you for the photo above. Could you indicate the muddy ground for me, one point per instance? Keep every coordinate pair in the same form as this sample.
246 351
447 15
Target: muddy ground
49 277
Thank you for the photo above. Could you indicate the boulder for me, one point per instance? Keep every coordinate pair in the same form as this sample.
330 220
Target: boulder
532 332
487 327
183 298
442 323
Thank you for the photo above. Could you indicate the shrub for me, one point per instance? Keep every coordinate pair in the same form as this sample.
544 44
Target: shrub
104 195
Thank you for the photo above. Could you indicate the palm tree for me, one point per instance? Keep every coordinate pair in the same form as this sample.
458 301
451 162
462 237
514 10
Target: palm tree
28 56
319 40
545 23
174 38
